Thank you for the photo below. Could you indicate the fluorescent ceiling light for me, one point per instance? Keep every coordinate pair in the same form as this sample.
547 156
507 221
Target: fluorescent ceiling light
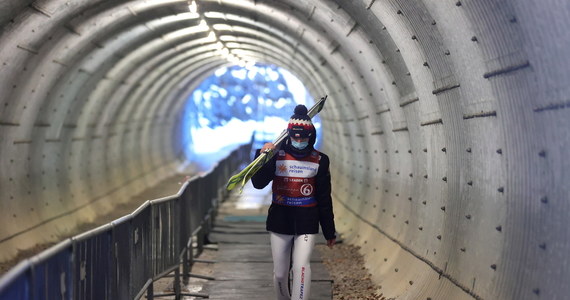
153 3
222 27
174 19
228 38
193 7
214 15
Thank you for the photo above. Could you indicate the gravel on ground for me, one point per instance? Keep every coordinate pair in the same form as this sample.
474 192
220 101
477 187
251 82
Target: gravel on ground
352 279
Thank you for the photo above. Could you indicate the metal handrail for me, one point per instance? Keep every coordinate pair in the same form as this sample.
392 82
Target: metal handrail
92 265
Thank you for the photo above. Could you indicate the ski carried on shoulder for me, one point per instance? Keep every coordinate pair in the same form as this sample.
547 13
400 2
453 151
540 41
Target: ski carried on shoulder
244 175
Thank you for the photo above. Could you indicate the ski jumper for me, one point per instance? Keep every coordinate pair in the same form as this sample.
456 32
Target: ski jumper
301 200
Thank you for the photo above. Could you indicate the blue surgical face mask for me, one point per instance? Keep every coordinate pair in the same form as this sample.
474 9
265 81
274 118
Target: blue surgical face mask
299 145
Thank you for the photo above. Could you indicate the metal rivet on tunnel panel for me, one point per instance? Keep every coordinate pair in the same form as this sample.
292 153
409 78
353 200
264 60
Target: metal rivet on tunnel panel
544 199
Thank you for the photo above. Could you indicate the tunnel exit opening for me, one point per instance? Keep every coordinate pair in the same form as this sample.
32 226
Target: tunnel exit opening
235 105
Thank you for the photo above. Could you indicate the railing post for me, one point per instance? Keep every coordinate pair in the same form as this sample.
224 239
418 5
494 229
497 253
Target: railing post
177 284
150 291
185 267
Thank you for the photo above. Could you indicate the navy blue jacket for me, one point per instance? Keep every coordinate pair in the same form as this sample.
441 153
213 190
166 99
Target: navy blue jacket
296 220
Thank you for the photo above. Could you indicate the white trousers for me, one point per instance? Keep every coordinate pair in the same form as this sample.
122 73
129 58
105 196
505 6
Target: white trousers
302 247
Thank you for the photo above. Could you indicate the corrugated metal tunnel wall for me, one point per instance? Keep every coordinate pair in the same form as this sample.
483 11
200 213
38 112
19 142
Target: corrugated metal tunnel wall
447 123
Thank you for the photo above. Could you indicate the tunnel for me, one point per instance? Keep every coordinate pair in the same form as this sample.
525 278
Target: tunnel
446 123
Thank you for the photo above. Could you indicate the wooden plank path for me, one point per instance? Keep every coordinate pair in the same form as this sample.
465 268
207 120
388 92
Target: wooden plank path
244 267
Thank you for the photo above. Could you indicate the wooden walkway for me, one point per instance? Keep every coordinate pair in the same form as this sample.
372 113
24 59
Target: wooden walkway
244 267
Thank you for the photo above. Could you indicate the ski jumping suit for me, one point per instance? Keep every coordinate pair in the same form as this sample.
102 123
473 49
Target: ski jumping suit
301 200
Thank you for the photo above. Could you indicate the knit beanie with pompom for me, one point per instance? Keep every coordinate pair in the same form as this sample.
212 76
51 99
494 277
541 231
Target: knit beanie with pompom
300 125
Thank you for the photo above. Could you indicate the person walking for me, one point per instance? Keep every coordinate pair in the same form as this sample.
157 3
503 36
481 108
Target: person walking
301 200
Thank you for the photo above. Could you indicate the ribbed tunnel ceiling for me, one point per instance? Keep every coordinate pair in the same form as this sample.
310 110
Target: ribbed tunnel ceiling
447 122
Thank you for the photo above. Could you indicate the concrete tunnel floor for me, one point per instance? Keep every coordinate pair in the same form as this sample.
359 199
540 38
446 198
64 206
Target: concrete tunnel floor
346 266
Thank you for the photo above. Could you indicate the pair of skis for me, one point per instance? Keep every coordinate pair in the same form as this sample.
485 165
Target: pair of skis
244 175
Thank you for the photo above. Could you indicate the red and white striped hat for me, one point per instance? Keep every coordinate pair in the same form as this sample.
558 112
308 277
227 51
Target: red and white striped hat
300 125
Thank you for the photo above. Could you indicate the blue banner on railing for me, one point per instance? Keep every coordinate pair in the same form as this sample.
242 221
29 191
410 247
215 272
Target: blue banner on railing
19 288
52 276
92 268
165 234
121 260
141 254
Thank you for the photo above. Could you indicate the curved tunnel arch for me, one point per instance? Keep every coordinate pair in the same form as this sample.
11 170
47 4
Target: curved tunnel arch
447 121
